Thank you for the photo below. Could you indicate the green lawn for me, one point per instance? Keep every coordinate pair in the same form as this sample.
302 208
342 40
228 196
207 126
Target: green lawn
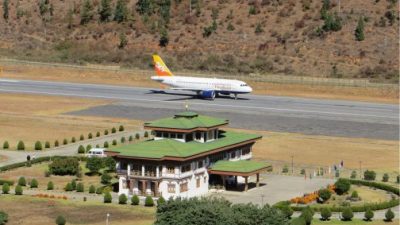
354 221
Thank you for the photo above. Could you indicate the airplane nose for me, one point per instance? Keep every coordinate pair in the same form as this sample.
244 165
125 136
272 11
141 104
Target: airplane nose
250 89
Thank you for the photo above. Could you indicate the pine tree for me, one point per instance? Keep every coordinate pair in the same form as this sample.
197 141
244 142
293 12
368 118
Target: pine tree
5 9
121 11
122 41
163 37
105 10
144 7
86 13
359 32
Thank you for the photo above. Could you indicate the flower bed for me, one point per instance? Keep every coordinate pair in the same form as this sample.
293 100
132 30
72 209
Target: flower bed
50 196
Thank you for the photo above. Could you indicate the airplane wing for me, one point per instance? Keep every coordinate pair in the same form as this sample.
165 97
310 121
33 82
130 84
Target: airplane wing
191 89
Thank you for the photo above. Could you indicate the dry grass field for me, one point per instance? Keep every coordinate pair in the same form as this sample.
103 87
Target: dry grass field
143 80
43 212
35 117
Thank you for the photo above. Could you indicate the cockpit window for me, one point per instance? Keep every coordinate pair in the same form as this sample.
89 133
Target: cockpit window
243 85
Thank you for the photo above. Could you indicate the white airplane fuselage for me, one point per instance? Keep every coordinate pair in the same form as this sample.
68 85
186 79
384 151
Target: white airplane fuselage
200 85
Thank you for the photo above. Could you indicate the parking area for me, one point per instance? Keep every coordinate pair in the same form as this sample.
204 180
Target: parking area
275 188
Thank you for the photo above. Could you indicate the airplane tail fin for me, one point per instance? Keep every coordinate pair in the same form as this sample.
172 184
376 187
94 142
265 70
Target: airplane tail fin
160 67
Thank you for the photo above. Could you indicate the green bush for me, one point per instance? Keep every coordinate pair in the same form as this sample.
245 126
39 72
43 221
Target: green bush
47 144
121 128
56 144
92 189
285 169
354 194
6 188
369 175
137 136
9 182
81 138
161 200
80 187
146 134
81 149
90 136
22 181
64 166
149 202
324 194
123 140
130 138
385 177
368 215
114 142
60 220
99 190
50 185
21 146
298 221
342 186
107 197
6 145
389 215
135 200
105 145
353 174
287 211
18 190
97 134
307 214
65 142
105 132
105 178
73 184
73 140
113 130
398 179
34 183
68 187
88 147
94 164
3 218
347 214
122 199
325 214
302 171
110 163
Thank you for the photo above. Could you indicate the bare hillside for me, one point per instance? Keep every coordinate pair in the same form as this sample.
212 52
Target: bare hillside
301 37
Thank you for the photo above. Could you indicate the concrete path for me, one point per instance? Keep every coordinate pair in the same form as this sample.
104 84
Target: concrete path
14 156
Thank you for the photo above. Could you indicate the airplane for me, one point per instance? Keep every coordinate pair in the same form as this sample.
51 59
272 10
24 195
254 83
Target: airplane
206 88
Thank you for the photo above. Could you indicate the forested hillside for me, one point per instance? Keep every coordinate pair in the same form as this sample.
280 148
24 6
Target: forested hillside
324 38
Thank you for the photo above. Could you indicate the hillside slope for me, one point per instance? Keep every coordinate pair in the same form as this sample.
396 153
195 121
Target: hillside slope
255 36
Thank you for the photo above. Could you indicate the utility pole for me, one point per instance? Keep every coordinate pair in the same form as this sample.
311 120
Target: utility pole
107 220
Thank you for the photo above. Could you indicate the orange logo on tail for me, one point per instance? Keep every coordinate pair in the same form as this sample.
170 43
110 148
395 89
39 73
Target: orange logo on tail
160 67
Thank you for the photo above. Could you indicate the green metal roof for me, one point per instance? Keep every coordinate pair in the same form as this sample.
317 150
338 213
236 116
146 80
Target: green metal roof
187 120
241 166
158 149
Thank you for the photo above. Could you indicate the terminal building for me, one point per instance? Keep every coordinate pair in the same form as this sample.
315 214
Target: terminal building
188 152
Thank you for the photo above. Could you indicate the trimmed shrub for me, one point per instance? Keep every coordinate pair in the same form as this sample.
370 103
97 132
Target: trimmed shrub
38 145
56 144
21 146
324 195
99 190
50 185
47 144
97 134
9 182
105 132
287 211
22 181
64 166
342 186
385 177
81 138
90 136
92 189
18 190
6 188
122 199
65 142
285 169
353 174
146 134
105 145
110 163
60 220
80 187
107 197
81 149
369 175
3 218
88 147
6 145
34 183
97 146
368 215
121 128
106 178
68 187
94 164
325 214
130 138
137 136
389 215
354 195
135 200
307 214
113 130
347 214
114 142
73 140
149 202
73 183
161 200
123 140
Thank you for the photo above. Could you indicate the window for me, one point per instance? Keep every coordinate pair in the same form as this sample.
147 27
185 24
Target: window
185 168
171 169
173 135
158 134
200 164
171 188
184 187
233 154
198 135
245 151
198 182
179 136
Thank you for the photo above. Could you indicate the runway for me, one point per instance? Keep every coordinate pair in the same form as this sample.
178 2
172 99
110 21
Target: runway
261 112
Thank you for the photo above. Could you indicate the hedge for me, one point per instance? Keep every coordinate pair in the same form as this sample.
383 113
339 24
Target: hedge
37 160
360 208
9 182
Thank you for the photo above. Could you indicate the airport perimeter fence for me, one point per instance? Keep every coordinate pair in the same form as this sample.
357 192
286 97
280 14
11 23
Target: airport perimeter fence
266 78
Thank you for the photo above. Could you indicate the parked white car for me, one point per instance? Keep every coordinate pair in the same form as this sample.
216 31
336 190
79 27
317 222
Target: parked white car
96 152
